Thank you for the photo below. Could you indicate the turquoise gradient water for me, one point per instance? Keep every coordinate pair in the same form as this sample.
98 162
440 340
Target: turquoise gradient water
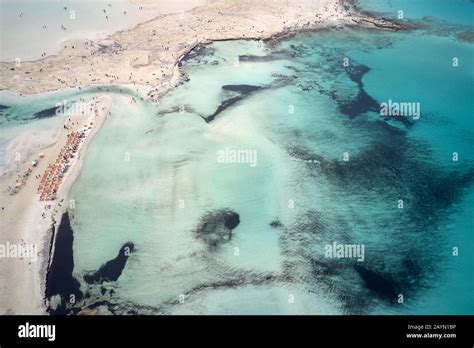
152 175
453 11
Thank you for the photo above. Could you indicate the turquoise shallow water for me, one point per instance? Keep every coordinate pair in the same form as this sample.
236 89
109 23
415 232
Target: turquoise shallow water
452 11
153 177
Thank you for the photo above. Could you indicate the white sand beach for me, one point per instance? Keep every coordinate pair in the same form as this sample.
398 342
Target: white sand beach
148 53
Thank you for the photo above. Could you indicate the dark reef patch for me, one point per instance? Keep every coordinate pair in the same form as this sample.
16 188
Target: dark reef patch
363 102
404 278
351 101
357 72
111 270
389 164
380 284
379 165
60 280
387 169
276 223
215 227
434 191
232 221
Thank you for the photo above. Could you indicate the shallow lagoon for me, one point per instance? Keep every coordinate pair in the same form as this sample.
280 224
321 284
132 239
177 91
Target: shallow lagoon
300 196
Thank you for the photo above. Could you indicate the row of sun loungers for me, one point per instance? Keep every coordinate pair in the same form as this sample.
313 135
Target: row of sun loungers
52 177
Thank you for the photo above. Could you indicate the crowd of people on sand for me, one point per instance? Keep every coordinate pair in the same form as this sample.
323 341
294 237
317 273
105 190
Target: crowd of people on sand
20 181
52 177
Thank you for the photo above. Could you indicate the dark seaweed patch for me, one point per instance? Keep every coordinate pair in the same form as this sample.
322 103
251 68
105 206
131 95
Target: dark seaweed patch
232 221
434 191
388 163
361 104
215 228
276 223
357 72
381 284
111 270
389 168
404 278
380 162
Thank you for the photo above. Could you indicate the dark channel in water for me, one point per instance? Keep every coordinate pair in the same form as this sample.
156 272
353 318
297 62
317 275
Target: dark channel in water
111 270
50 112
60 280
243 90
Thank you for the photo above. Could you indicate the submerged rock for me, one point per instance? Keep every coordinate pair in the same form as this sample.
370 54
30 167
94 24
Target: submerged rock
215 228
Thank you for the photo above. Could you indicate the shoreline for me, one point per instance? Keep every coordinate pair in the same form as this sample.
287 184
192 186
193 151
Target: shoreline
141 55
66 189
150 11
138 60
26 217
